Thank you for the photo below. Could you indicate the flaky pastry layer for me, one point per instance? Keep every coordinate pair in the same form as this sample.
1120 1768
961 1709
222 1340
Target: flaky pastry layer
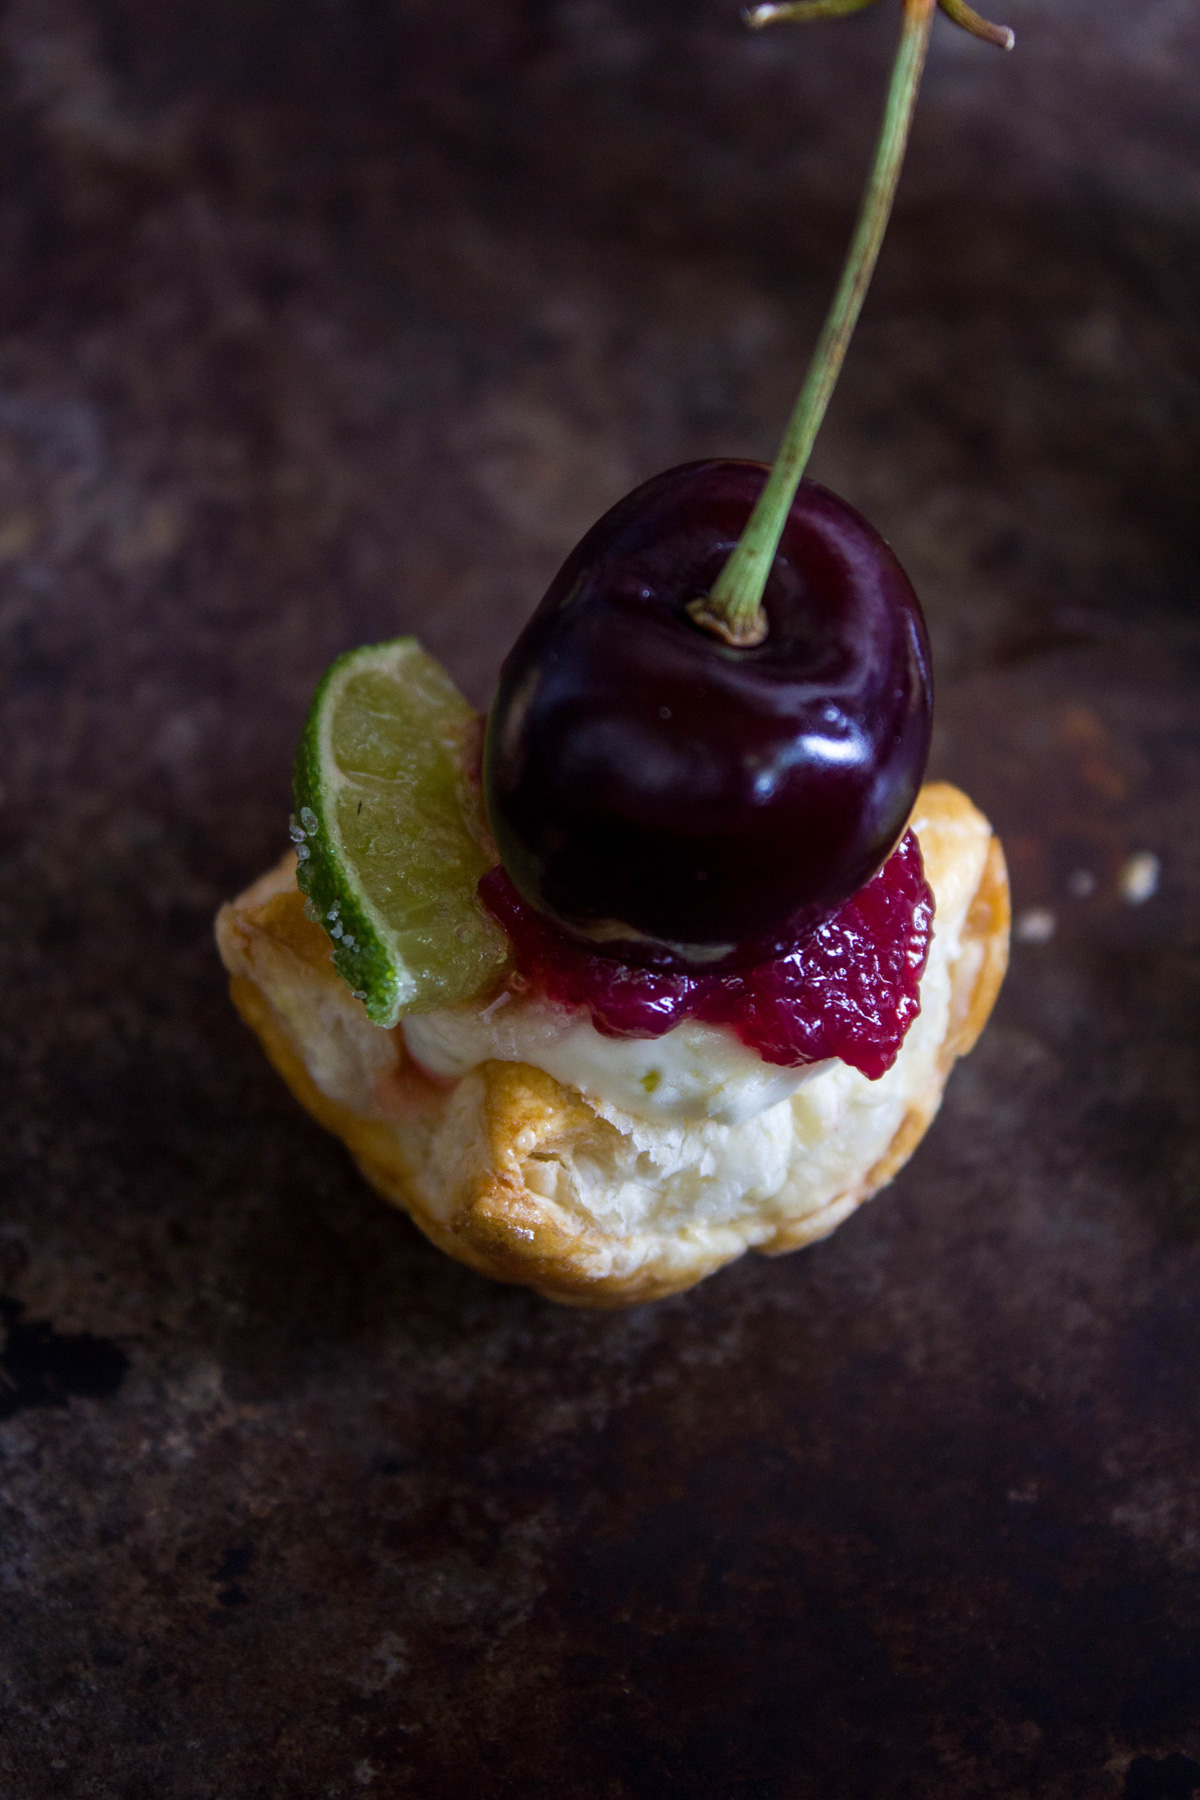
526 1181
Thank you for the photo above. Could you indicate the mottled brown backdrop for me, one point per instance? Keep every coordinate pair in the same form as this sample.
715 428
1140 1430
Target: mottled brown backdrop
326 320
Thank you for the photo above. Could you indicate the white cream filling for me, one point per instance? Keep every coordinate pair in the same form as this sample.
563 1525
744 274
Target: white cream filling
693 1072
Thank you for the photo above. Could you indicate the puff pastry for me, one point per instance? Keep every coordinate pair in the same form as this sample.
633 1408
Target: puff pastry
527 1181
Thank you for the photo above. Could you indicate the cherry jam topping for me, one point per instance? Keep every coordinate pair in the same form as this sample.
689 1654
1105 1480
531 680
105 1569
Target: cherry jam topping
849 989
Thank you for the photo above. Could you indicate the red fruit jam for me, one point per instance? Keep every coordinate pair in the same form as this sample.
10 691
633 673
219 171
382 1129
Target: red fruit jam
850 989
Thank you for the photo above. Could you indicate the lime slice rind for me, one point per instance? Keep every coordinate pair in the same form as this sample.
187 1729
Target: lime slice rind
392 847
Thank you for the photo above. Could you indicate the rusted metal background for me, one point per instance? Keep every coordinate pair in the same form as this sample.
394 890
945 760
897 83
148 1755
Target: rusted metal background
328 320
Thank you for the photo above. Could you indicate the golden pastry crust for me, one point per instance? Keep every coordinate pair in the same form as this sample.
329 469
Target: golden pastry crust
523 1180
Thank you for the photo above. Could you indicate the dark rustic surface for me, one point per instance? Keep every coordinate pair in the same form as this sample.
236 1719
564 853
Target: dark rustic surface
327 320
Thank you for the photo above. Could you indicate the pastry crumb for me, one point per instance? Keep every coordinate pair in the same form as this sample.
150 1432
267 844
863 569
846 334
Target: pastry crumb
1139 878
1036 925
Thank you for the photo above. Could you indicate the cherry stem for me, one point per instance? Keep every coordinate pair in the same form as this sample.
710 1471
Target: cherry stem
800 12
964 15
733 610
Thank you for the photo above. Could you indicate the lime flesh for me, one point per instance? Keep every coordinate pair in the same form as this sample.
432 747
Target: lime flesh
390 832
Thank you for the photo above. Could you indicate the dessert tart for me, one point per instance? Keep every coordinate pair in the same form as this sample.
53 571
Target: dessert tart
528 1177
675 959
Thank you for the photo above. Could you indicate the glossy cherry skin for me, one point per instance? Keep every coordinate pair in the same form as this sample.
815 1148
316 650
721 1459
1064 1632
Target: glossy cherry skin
673 800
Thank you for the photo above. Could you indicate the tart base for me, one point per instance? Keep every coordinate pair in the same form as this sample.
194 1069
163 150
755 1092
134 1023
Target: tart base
523 1180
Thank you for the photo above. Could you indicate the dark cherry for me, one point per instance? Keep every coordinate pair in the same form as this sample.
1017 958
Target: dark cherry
675 801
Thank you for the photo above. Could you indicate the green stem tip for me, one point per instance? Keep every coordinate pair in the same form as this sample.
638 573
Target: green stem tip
733 611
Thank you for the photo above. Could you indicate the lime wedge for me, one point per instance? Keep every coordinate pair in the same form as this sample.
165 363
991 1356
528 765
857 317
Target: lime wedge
390 832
